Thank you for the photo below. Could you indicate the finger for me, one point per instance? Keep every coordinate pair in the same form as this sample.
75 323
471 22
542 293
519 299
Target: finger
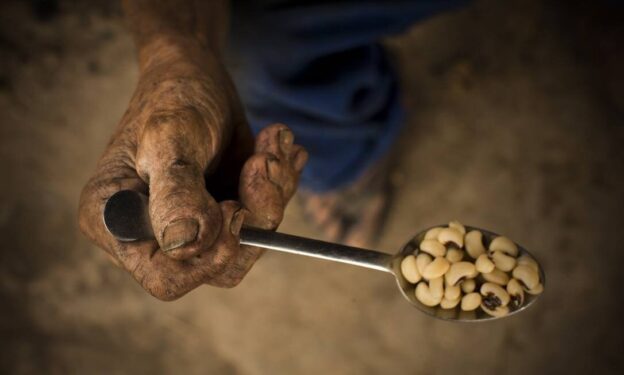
114 173
168 279
278 140
299 158
238 269
275 139
240 258
259 195
173 153
269 179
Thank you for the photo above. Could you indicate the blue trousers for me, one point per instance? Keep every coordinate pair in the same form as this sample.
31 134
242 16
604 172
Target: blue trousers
319 68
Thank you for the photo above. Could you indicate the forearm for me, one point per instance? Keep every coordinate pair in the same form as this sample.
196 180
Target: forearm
167 30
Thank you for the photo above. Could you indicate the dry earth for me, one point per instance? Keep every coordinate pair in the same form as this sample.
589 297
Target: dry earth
515 124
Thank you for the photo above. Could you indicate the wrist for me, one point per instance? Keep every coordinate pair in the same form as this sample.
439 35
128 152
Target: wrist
175 54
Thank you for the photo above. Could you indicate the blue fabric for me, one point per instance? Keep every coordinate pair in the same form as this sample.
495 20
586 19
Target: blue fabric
318 67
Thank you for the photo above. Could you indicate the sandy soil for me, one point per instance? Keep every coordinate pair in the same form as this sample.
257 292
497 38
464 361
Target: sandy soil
515 124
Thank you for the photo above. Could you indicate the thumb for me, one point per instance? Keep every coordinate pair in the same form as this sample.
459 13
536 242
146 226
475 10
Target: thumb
173 153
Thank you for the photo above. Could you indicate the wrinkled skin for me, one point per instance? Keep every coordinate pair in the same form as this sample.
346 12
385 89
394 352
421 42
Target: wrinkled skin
184 139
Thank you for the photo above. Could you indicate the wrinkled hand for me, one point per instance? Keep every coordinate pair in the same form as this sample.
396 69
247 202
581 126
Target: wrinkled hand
184 139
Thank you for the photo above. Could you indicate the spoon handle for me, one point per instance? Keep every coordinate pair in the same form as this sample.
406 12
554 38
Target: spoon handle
317 249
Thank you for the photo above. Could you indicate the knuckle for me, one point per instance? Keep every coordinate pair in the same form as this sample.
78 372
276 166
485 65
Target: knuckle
274 218
232 281
162 289
164 294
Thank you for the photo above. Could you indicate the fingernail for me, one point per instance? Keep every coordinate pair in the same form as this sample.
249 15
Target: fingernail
272 166
286 139
179 233
237 222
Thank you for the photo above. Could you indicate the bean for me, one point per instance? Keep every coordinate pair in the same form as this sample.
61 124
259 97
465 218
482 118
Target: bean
436 286
535 291
451 236
484 264
436 269
470 301
410 270
468 286
516 293
423 294
526 260
422 261
474 244
459 271
452 292
496 276
497 312
433 247
449 303
503 261
454 255
504 244
457 225
444 278
494 295
432 234
527 275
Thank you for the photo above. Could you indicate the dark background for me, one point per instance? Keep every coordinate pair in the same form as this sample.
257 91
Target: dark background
515 124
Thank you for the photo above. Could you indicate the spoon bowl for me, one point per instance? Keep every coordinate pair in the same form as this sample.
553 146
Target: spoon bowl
455 314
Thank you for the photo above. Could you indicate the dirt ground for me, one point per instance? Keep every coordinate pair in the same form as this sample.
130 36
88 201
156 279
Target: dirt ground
515 124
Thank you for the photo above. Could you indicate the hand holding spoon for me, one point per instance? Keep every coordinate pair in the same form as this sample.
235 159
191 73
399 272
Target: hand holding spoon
125 216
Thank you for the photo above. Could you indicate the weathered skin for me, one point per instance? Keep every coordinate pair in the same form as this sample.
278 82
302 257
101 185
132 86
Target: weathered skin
183 137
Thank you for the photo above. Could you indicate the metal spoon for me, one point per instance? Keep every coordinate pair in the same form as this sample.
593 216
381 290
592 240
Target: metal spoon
126 217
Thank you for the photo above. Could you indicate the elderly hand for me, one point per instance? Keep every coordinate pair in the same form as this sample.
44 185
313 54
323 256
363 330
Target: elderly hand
184 139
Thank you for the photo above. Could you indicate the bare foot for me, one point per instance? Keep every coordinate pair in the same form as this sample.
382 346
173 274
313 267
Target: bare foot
354 215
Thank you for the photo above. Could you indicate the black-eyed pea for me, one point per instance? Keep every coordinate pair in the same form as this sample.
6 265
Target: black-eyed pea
494 295
468 286
423 294
504 244
422 261
436 287
484 264
535 291
526 260
460 271
497 312
496 276
451 237
474 244
470 301
432 234
503 261
516 294
493 300
436 269
527 276
457 225
409 270
448 303
454 255
452 292
433 247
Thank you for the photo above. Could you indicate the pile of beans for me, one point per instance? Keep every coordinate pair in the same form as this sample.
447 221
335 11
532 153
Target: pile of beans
453 269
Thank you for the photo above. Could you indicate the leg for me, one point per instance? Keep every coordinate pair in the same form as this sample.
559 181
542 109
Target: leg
320 69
